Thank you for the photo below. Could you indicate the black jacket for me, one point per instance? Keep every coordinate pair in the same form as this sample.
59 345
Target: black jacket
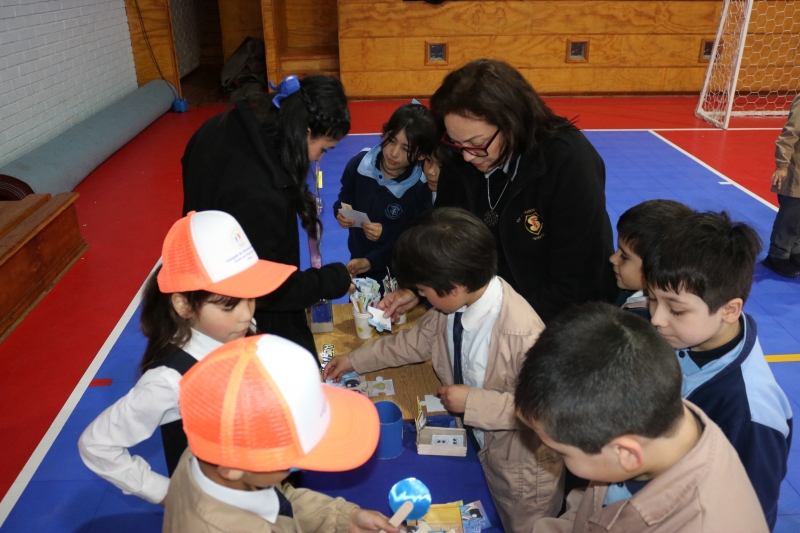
229 165
364 194
554 231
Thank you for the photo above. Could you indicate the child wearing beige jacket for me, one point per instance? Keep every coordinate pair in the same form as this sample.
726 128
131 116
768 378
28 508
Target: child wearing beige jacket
476 336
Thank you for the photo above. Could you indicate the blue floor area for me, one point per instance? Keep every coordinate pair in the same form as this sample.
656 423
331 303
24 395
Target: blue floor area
64 496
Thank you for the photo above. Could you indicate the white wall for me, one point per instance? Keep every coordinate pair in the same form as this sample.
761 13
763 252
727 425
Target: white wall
60 62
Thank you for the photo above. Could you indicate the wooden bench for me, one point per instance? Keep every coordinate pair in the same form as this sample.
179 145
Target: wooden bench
39 241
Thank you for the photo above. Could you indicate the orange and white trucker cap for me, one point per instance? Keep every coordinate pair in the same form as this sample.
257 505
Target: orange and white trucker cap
209 251
258 404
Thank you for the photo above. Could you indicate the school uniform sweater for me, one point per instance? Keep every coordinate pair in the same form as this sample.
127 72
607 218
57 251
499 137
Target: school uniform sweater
393 205
189 509
231 165
739 393
554 231
150 404
706 491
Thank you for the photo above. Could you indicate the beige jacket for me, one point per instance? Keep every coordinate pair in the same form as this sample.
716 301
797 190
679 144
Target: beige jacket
523 475
707 491
787 152
190 510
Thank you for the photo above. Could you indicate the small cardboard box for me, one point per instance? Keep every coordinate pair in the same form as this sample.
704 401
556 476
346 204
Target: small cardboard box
439 441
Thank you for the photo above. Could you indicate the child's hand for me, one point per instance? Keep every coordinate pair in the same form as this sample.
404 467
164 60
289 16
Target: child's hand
779 175
362 521
344 222
337 367
398 302
454 397
357 266
372 230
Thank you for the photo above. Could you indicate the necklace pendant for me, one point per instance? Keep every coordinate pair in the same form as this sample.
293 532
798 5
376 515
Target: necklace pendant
490 218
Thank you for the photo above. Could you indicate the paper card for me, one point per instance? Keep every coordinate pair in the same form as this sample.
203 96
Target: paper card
379 387
473 516
447 440
347 206
421 418
358 216
383 324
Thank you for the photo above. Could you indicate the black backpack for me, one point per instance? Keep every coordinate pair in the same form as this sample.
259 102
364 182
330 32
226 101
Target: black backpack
245 73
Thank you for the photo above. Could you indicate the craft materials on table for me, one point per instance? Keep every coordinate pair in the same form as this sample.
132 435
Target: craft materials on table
367 294
473 517
372 389
439 440
409 498
390 285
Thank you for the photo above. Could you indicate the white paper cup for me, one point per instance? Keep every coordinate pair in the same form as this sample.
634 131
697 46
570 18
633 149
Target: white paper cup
401 320
363 329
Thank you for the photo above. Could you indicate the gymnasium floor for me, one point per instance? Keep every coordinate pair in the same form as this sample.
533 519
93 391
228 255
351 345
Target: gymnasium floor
76 352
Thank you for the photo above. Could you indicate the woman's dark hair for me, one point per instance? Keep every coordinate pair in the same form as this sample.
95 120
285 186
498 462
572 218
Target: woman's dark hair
320 106
420 130
495 92
443 248
164 328
596 373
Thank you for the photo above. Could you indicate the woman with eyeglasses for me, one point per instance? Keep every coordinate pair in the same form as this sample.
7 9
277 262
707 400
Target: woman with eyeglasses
533 178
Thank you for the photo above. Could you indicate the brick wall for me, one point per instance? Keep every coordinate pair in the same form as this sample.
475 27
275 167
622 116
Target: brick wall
60 62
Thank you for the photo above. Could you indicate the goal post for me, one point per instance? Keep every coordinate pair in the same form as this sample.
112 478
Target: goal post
754 68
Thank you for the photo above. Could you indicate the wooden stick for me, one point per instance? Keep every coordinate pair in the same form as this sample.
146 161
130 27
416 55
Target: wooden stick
401 514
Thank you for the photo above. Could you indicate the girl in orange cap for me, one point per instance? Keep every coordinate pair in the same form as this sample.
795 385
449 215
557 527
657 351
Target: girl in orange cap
201 297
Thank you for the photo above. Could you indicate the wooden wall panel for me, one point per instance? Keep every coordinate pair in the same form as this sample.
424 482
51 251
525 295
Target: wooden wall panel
211 36
527 51
239 19
635 46
271 38
419 19
581 80
311 23
158 27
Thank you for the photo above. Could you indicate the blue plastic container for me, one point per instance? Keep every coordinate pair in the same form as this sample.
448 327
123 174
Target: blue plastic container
390 444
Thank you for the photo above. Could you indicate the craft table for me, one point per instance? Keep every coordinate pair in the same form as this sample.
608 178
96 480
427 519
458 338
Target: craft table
448 478
410 381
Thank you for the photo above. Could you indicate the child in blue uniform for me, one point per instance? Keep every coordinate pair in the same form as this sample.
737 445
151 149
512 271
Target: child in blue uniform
387 183
698 280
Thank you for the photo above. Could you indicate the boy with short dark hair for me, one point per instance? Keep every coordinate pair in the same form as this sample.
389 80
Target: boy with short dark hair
698 282
476 336
603 389
639 229
254 410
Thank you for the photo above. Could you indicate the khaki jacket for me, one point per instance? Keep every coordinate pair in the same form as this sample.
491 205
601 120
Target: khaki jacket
787 152
523 475
190 510
707 491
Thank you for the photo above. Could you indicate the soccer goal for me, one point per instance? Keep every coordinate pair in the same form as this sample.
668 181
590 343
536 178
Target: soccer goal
754 66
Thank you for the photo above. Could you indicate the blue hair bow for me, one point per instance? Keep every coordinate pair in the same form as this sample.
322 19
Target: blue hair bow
289 86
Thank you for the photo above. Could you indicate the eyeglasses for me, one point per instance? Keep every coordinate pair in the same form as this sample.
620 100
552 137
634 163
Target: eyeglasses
477 151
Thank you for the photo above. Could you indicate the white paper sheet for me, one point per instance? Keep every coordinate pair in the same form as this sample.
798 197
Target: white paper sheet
358 216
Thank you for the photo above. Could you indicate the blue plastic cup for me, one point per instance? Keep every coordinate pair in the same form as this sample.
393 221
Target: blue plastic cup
390 443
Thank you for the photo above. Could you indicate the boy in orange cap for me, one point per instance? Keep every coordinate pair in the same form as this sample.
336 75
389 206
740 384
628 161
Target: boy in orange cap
254 410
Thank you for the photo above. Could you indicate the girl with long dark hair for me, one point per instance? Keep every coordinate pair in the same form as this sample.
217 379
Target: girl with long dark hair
252 162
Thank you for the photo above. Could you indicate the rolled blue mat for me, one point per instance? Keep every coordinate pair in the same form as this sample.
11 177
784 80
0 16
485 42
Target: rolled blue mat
60 164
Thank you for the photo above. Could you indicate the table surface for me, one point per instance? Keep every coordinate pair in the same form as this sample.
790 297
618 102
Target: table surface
410 381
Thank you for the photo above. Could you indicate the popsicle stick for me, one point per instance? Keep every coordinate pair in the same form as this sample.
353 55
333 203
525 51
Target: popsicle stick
400 515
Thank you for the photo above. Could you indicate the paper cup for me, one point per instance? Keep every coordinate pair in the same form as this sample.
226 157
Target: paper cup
401 320
363 329
390 443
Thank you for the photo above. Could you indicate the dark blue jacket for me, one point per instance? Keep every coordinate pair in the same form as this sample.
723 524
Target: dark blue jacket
739 393
363 191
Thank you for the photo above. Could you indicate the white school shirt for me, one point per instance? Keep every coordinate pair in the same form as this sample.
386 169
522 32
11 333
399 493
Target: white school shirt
478 320
151 403
263 503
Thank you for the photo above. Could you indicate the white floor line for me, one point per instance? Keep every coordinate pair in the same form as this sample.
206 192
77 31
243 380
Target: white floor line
715 171
24 477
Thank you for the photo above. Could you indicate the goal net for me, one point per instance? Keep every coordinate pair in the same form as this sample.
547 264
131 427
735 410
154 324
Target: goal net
754 66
